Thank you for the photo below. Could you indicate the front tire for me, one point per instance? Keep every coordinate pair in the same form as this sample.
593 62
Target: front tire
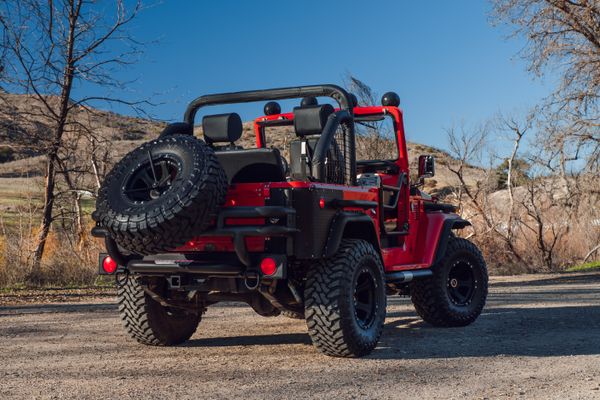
148 322
345 302
456 293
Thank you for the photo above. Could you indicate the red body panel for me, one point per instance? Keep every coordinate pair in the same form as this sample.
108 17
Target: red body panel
241 194
421 243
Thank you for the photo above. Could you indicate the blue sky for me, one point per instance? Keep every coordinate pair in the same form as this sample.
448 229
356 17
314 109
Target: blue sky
443 57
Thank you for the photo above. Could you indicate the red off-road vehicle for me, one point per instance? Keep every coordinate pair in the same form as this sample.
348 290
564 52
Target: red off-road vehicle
320 236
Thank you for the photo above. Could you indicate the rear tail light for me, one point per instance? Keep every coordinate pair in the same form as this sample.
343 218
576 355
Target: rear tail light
268 266
109 265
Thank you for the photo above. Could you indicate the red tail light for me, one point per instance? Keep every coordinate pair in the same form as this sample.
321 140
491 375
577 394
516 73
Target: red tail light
268 266
109 265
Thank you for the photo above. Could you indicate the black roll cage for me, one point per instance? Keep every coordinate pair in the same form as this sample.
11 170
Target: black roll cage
343 117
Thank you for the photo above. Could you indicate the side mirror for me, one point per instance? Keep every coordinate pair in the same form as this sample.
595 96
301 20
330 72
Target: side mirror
426 166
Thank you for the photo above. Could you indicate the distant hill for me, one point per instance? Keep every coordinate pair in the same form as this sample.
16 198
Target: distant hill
126 133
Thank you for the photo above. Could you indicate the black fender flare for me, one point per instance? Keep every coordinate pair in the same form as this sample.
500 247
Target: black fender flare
449 224
362 228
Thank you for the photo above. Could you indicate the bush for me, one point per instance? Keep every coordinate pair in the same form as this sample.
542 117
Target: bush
65 262
6 154
590 266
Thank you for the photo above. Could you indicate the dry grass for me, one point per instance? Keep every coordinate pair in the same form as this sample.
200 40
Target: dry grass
66 261
551 236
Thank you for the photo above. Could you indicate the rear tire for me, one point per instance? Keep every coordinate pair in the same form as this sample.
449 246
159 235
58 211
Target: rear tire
456 293
149 322
345 301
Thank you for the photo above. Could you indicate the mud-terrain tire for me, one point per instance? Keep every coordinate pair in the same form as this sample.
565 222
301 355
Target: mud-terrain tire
161 194
456 293
345 301
148 322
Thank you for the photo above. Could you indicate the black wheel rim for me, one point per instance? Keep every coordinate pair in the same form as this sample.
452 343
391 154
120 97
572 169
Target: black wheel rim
365 304
461 283
151 179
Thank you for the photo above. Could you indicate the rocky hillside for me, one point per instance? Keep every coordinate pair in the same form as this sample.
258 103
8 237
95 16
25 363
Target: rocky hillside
21 114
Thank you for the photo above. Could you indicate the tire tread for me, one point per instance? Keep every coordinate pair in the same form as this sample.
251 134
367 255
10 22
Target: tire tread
429 296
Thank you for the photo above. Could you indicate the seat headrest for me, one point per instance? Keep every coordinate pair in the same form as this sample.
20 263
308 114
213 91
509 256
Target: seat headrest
311 120
222 128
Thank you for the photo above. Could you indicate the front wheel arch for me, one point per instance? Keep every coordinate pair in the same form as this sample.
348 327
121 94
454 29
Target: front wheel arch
445 235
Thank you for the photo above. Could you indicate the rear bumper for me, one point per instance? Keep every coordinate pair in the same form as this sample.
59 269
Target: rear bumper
204 262
174 263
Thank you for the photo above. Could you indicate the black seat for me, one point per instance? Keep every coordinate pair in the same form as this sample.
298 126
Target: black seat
309 122
221 131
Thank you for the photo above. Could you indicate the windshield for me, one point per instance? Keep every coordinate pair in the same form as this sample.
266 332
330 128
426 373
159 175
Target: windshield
375 138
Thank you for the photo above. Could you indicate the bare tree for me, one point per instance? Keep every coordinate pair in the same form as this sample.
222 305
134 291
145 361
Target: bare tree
564 36
466 147
52 47
374 139
543 220
363 92
517 129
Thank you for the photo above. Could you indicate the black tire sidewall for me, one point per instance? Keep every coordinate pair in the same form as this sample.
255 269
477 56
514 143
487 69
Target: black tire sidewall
329 301
480 275
148 322
431 296
368 263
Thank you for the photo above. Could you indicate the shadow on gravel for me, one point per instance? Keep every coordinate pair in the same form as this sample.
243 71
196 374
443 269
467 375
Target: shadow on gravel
539 332
257 340
55 308
564 279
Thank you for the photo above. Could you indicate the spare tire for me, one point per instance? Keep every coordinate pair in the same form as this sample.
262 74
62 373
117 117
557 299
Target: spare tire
161 194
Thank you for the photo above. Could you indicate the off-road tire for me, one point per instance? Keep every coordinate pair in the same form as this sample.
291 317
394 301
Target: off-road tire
431 297
148 322
331 315
183 207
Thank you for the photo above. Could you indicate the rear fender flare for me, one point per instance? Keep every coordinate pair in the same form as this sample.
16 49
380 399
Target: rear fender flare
350 225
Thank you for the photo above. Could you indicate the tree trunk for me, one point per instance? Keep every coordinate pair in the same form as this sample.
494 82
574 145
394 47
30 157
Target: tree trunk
61 121
79 225
46 213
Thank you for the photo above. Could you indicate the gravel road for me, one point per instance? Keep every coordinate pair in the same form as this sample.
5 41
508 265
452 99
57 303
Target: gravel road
538 338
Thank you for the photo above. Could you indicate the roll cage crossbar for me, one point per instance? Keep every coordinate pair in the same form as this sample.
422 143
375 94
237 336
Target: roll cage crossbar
333 91
342 117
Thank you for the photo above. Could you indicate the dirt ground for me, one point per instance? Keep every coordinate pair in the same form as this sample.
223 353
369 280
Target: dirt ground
538 338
